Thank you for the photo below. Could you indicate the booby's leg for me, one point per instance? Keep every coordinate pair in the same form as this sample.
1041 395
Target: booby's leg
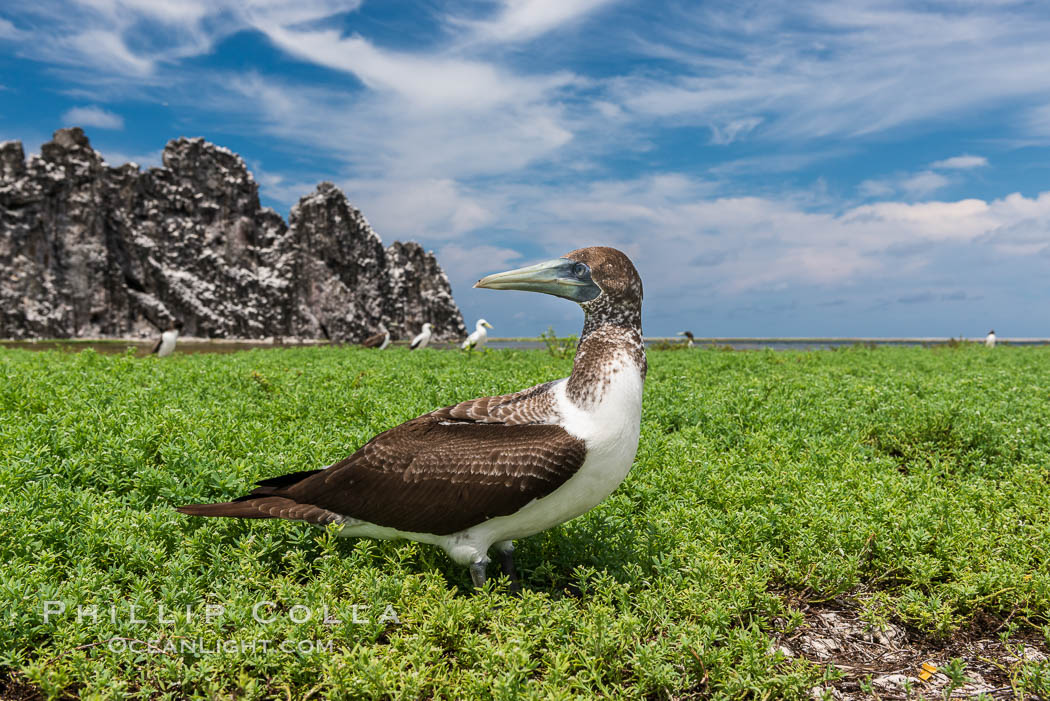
505 549
477 572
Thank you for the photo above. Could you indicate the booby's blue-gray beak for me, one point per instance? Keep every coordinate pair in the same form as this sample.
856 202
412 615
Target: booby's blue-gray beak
561 277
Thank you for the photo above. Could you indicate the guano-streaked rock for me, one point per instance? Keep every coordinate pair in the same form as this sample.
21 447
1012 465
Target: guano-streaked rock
87 249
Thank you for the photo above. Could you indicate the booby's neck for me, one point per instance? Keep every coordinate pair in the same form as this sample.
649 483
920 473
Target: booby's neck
611 342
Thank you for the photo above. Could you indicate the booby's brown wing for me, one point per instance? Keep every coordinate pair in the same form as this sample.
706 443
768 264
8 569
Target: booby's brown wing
534 405
434 476
440 473
156 347
373 341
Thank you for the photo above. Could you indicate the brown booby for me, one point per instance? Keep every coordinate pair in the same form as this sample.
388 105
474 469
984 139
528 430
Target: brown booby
166 343
989 340
689 338
487 471
422 339
479 337
380 340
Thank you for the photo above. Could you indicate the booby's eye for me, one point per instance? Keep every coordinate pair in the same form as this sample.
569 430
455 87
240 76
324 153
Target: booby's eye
581 271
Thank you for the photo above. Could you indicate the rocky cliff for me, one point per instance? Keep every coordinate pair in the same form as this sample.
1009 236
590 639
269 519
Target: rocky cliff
92 250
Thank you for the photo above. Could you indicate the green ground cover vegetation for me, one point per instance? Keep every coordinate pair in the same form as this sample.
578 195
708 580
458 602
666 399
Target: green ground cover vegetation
916 481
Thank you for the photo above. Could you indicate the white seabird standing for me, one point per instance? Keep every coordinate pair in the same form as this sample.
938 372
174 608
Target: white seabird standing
423 338
989 340
166 345
487 471
479 337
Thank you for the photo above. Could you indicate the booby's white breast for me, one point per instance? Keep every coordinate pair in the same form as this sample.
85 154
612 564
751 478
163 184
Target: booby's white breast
422 339
610 430
167 343
476 339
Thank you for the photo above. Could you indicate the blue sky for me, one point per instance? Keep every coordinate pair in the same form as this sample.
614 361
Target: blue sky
846 168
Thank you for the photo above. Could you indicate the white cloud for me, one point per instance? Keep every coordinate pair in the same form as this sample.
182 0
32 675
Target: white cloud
134 39
93 116
876 188
925 183
465 265
387 138
1025 237
520 20
106 50
846 69
431 210
728 133
8 30
1037 120
427 80
474 143
776 162
688 242
963 162
914 186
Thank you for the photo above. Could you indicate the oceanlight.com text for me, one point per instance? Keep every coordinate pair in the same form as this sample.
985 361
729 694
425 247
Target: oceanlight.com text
230 646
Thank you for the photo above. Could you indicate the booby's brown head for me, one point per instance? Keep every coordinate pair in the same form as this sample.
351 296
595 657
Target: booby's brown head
614 274
593 277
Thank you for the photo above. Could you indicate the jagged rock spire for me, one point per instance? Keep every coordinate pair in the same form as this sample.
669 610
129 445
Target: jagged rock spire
92 250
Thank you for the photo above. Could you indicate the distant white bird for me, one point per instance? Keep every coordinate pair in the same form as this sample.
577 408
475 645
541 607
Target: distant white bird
989 340
166 345
379 341
479 337
689 337
422 339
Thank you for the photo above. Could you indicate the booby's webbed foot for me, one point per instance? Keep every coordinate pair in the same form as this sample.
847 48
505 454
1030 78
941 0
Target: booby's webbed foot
477 573
506 563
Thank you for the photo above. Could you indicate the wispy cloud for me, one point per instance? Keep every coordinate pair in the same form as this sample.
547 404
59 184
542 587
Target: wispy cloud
851 68
134 39
876 188
468 264
433 209
924 184
8 30
377 136
499 138
1037 120
428 81
734 129
520 20
963 162
915 186
685 239
93 116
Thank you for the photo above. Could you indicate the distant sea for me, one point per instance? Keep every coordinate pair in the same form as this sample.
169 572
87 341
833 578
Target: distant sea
195 345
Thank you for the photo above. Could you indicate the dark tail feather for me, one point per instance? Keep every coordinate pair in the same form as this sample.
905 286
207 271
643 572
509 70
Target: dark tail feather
268 485
235 509
265 501
264 506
